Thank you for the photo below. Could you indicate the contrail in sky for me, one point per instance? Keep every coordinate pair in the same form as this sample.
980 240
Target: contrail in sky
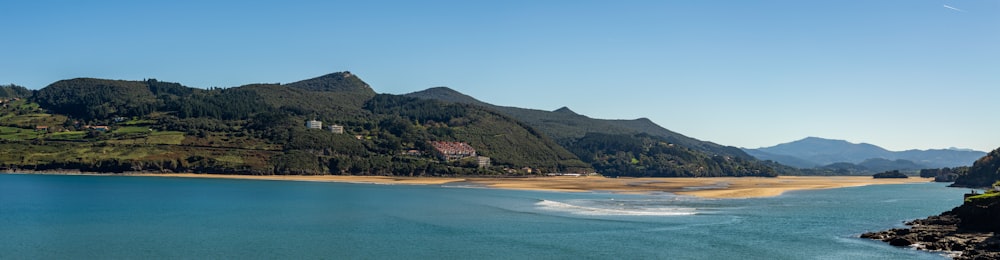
952 8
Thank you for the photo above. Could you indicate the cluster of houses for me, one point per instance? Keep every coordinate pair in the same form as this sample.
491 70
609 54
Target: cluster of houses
315 124
99 128
3 102
8 100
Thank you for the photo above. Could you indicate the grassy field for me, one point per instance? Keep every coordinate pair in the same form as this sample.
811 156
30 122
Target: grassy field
134 142
28 115
131 130
70 135
139 122
19 134
151 138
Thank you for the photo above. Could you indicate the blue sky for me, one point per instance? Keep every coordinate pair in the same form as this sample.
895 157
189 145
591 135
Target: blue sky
902 74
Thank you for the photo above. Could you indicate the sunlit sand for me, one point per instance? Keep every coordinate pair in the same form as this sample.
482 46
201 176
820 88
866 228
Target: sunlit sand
721 187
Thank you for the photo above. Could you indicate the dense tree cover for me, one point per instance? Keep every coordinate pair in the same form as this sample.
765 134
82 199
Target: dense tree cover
931 173
343 82
643 155
564 125
14 91
414 110
983 173
88 98
890 174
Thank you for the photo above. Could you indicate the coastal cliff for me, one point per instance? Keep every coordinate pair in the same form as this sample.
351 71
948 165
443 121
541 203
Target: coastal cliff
969 230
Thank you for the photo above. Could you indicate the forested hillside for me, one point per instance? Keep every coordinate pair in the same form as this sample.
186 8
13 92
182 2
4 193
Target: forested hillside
644 155
983 173
627 147
116 126
13 91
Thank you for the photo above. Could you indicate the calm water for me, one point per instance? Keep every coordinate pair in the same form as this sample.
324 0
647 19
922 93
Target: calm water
45 216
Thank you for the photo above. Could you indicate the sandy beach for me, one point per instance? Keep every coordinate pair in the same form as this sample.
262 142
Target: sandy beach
721 187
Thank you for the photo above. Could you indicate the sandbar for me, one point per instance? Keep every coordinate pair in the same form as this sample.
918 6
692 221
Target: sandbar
714 187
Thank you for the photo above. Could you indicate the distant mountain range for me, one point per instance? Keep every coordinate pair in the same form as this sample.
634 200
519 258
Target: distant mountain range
814 152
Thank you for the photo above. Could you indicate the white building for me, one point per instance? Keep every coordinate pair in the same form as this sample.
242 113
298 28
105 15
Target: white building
313 124
483 161
337 129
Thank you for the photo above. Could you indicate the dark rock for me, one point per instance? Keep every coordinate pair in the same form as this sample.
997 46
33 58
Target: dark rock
968 229
900 242
929 238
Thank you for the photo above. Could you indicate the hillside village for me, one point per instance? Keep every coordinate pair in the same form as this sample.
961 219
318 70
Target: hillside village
442 150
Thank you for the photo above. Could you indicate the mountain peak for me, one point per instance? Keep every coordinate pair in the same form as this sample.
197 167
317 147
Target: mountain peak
644 120
961 149
337 81
442 89
565 110
820 139
445 94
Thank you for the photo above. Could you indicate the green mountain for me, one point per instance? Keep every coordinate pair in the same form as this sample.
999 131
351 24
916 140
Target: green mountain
625 147
564 124
983 173
116 125
13 91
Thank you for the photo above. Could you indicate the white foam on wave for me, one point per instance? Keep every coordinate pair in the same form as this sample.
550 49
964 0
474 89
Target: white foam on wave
620 209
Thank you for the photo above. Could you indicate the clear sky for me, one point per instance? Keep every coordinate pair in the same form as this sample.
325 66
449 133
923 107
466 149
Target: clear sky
902 74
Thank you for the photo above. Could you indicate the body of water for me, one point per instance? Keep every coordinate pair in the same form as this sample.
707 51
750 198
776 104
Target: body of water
57 216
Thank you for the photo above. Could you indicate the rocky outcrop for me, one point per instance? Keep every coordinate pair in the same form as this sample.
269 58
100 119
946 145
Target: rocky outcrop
969 231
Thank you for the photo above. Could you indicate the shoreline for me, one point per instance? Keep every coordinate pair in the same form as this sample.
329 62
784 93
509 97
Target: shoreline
713 187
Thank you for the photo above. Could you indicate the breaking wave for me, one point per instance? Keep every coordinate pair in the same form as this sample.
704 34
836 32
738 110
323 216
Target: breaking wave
615 208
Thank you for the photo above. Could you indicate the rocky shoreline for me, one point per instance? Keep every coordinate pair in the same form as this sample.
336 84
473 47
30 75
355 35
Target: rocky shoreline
969 231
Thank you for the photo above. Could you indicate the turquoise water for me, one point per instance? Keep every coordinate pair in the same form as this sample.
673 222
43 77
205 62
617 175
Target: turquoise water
48 216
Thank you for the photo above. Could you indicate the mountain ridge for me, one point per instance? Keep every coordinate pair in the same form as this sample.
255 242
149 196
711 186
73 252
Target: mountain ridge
815 151
556 129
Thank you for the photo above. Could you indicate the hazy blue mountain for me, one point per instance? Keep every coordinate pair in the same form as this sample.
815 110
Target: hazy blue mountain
869 166
822 151
881 165
938 158
783 159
